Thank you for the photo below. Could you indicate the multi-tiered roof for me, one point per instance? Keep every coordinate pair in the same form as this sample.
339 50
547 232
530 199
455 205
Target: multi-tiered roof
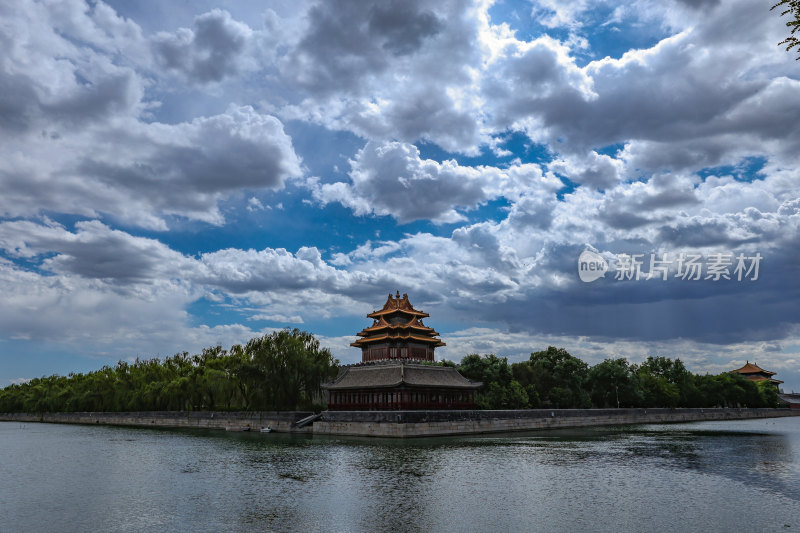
397 326
395 370
753 372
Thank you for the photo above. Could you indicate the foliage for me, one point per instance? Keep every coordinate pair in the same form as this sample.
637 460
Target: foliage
284 370
791 8
614 383
280 371
499 390
555 379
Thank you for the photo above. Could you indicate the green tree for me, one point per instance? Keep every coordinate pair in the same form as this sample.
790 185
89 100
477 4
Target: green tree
283 370
291 365
768 393
556 377
614 383
499 390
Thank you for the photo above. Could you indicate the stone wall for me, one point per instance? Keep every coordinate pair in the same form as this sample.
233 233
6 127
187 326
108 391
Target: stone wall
278 421
441 423
404 423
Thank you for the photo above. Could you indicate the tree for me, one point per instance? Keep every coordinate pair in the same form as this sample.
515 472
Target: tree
768 393
289 366
658 392
614 383
557 378
791 8
667 383
499 390
282 370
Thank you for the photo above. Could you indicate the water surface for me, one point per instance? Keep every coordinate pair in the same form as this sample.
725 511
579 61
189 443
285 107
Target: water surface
704 476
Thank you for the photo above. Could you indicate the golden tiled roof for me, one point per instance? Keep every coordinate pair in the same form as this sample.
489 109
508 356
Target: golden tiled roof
395 304
397 322
385 326
371 340
752 368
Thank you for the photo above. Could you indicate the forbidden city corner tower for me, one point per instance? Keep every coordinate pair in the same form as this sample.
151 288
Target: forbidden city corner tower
392 373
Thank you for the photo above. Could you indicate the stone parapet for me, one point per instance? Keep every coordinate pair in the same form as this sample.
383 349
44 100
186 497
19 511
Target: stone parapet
442 423
403 423
282 421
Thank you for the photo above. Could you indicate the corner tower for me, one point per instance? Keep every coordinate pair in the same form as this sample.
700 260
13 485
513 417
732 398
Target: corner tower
395 371
397 332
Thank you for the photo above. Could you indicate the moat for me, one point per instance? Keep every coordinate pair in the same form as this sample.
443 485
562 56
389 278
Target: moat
738 475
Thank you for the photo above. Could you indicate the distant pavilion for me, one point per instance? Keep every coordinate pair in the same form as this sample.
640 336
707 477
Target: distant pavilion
392 373
753 372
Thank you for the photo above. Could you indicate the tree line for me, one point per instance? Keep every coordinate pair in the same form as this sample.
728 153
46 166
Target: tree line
284 371
553 378
280 371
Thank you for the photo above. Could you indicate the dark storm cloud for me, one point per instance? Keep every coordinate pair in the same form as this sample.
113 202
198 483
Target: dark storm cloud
22 108
649 310
347 40
208 52
700 4
624 220
18 102
99 121
699 233
402 26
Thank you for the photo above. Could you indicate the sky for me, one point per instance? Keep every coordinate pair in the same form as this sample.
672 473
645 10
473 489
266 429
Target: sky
177 175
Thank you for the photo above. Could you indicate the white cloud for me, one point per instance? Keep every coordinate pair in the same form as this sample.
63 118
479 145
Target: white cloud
392 179
388 71
141 173
49 80
593 169
77 138
294 319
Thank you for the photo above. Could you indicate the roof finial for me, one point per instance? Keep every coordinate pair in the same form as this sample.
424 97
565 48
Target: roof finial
397 295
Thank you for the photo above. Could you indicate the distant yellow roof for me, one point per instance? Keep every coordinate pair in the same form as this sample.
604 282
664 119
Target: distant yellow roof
752 368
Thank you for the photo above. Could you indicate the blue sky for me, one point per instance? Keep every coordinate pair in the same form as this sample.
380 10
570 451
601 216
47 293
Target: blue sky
178 175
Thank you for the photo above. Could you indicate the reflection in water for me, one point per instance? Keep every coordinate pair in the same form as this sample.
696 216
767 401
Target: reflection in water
638 478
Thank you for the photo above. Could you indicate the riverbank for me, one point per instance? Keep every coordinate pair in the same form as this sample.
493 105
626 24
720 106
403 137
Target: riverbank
402 424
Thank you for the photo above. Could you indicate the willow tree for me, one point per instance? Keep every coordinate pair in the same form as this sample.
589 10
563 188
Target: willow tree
284 370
